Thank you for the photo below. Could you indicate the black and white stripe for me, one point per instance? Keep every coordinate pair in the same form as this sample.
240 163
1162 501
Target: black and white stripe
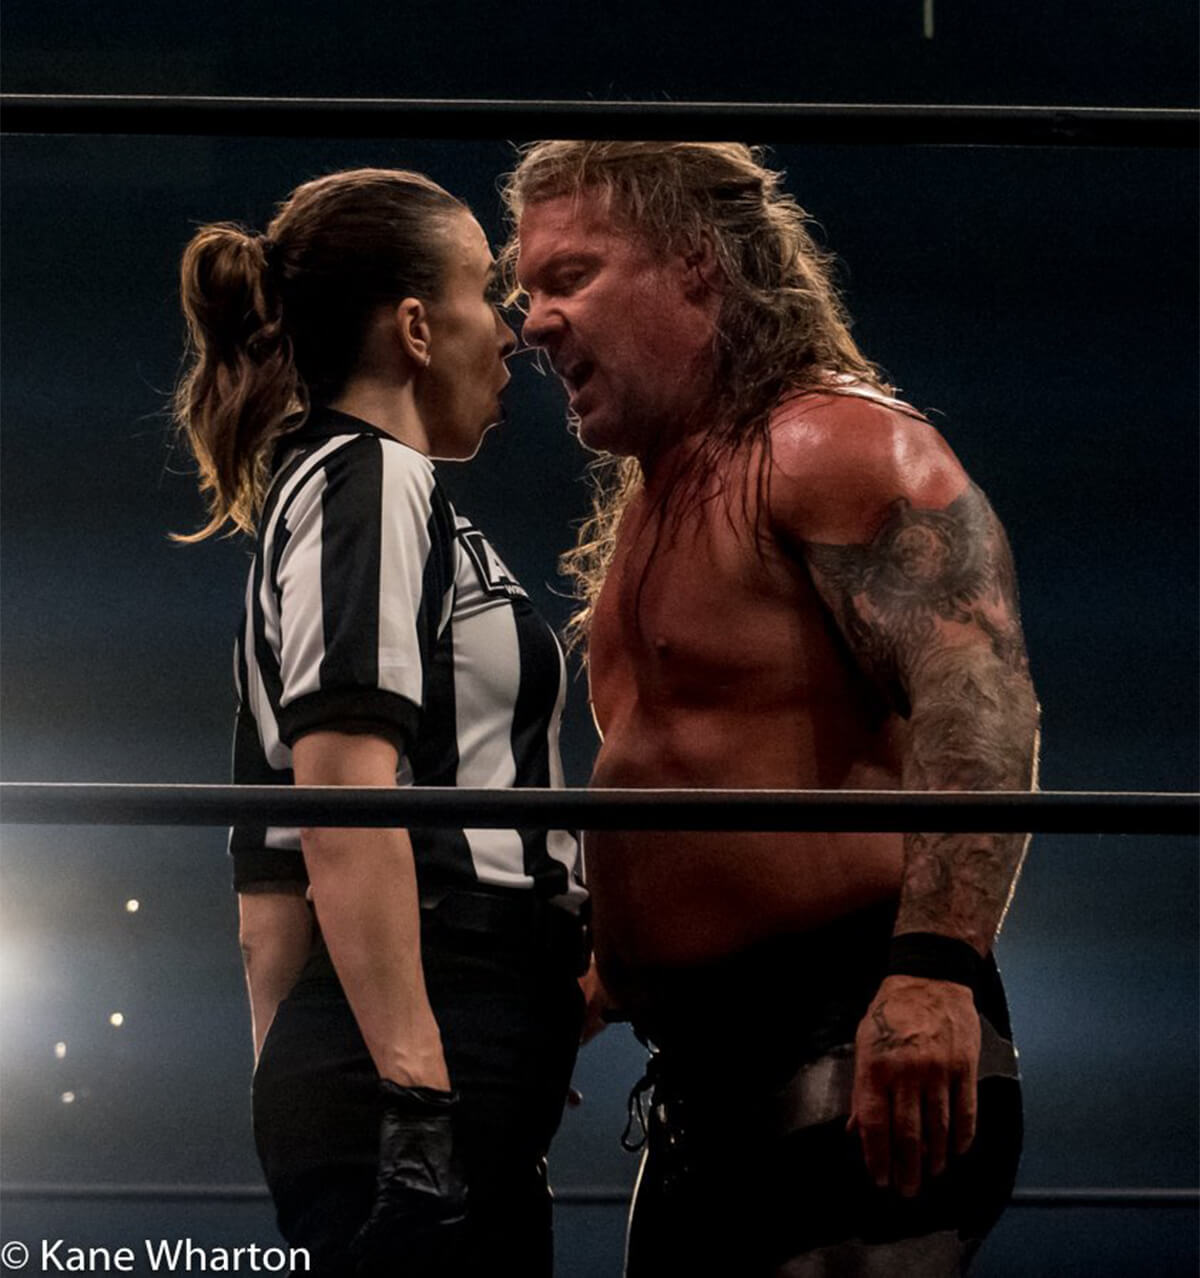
371 606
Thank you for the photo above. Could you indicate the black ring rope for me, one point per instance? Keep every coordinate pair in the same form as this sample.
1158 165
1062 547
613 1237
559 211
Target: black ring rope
582 1195
996 811
506 119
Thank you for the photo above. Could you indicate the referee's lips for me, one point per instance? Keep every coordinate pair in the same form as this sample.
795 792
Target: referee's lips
500 414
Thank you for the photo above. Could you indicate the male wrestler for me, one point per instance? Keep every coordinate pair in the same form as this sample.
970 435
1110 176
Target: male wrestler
791 583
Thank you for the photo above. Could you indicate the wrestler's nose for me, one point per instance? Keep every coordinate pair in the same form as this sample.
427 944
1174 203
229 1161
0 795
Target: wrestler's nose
542 324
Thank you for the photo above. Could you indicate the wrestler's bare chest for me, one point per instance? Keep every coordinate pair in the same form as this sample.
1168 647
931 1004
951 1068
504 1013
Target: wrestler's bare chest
714 664
707 634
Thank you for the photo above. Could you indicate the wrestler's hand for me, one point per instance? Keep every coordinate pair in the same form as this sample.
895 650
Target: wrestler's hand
417 1220
916 1067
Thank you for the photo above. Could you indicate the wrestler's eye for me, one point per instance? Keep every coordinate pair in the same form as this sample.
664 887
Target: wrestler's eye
495 293
568 276
567 281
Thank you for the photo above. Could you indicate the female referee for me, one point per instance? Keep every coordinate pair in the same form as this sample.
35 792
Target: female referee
413 992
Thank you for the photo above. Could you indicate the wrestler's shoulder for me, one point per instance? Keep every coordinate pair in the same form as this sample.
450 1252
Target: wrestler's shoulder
839 461
857 428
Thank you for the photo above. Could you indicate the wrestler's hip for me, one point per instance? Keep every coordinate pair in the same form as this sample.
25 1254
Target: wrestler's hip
777 1186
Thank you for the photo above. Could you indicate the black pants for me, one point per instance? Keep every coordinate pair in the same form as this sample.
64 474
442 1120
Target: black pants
748 1168
501 975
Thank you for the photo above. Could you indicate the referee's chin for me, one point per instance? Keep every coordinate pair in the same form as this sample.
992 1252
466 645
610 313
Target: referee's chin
500 416
464 450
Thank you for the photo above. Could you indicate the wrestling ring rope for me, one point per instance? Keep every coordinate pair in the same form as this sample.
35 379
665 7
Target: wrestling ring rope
580 1195
998 811
501 119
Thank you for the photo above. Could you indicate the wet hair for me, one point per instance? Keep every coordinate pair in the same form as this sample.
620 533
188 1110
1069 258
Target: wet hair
780 327
276 322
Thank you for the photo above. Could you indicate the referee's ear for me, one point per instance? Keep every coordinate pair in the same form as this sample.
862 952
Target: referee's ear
411 321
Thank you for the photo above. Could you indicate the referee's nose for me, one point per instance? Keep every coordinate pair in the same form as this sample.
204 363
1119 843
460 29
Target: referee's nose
508 339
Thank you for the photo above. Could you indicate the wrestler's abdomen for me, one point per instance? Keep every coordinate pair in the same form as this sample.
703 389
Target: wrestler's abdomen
666 898
715 667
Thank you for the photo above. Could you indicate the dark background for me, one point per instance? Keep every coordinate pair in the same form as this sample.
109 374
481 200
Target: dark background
1041 304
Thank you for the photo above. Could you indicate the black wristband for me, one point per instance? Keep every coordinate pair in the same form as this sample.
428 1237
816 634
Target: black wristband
935 957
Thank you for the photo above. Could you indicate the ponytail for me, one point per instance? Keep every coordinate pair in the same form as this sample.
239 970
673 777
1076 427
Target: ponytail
240 382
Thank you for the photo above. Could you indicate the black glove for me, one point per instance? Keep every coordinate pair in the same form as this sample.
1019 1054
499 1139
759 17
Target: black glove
416 1223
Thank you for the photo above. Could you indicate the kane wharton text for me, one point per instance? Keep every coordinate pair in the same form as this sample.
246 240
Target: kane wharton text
163 1255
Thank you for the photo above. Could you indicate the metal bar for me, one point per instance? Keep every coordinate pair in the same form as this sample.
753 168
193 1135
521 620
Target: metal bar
504 119
1127 1197
997 811
575 1195
604 1196
135 1193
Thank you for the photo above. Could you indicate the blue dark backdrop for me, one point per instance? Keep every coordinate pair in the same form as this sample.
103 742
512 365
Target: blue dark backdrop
1040 304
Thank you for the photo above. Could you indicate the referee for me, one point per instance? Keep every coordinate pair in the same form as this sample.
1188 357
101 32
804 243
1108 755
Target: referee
413 993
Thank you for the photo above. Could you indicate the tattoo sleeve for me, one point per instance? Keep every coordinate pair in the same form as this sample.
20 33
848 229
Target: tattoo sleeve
929 610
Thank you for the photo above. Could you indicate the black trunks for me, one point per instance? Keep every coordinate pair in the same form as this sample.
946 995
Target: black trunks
748 1168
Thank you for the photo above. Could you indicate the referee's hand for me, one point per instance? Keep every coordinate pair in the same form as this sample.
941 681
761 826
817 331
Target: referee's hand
417 1220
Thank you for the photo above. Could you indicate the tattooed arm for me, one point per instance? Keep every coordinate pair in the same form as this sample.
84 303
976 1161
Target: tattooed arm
918 576
929 609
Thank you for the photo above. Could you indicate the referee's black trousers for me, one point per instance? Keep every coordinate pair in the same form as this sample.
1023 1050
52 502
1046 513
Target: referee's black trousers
501 974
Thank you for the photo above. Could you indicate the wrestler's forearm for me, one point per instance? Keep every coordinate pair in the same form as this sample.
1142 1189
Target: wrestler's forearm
974 726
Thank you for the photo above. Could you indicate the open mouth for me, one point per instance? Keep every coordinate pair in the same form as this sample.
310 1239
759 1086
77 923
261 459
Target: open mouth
577 377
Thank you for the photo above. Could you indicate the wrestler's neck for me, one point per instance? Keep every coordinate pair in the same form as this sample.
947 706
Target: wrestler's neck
671 447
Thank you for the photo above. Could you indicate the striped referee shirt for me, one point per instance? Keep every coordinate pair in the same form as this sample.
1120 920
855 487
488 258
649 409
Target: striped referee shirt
372 606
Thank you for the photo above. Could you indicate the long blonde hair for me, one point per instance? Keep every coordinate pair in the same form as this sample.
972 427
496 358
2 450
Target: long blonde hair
276 321
781 324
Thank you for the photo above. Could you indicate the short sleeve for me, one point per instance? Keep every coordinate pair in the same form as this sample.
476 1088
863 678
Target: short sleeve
361 568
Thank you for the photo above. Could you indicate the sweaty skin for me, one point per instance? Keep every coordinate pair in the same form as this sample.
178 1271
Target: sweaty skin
715 662
836 610
848 621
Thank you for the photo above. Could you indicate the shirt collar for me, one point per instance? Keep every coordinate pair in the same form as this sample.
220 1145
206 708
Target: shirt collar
324 422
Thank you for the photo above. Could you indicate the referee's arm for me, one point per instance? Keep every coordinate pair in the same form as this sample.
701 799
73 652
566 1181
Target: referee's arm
364 890
275 933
